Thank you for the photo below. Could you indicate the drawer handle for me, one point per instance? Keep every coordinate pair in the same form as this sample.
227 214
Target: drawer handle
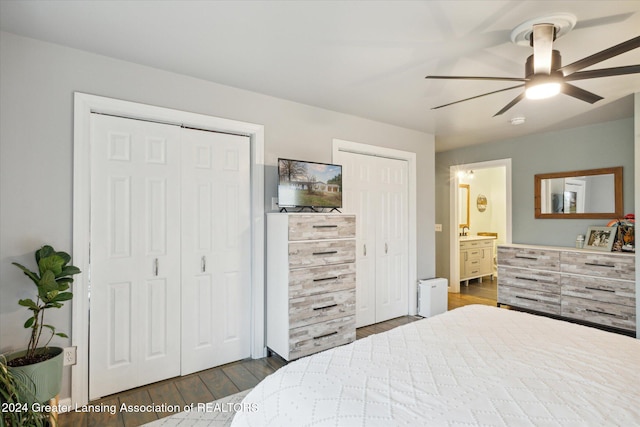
325 278
527 298
325 307
527 257
325 253
319 337
595 264
325 226
598 289
601 312
526 278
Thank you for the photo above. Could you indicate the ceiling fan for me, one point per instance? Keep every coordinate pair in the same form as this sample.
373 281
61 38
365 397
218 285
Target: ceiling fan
544 74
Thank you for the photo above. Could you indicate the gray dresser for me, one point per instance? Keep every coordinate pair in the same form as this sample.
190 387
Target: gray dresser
311 278
591 286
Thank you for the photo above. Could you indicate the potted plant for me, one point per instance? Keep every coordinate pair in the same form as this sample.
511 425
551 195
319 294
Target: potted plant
42 365
16 400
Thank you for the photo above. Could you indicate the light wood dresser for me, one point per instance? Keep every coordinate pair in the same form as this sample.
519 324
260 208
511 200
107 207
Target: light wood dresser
476 257
311 282
586 285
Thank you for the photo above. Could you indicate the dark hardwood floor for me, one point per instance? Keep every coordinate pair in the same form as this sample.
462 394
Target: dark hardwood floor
222 381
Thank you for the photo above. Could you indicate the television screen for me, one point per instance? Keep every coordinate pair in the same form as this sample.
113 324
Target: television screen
309 184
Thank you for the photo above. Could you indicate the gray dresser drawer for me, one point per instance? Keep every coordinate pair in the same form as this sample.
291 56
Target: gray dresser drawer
597 289
476 244
319 308
603 313
546 281
597 264
530 299
318 226
540 259
318 280
311 254
321 336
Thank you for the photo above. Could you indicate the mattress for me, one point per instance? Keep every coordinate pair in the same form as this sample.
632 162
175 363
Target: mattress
475 365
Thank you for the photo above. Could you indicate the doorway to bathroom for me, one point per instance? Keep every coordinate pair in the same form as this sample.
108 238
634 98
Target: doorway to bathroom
481 217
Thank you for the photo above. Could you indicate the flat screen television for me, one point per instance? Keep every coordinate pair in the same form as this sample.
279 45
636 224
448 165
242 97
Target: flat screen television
309 184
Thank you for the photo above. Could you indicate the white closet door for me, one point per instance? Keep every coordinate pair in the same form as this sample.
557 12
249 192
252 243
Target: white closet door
135 254
392 252
216 249
360 198
376 190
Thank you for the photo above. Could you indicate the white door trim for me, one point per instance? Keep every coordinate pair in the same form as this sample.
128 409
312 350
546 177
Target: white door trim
410 158
84 105
454 213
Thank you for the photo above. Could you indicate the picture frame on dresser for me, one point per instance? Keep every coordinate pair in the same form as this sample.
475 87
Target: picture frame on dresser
600 238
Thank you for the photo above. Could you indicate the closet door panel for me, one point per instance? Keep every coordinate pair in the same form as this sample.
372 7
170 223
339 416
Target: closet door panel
215 249
135 254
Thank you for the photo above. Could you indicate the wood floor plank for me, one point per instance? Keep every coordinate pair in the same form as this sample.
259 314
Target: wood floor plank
241 377
259 368
166 393
193 390
72 419
218 383
275 361
133 417
106 419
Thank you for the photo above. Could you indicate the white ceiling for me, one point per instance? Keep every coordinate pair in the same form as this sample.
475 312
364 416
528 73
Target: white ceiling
366 58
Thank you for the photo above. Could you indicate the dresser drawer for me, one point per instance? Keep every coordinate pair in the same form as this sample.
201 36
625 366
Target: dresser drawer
596 264
540 259
530 299
321 336
311 254
603 313
319 308
545 281
596 289
318 280
318 226
475 244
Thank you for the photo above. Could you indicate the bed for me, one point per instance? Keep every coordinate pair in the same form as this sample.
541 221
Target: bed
475 365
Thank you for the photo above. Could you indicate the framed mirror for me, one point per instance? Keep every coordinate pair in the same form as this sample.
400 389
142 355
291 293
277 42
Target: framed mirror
463 203
594 193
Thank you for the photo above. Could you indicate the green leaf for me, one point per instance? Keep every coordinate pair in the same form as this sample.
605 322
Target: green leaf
47 283
65 257
29 323
62 335
69 270
44 252
64 296
30 274
49 327
51 263
28 303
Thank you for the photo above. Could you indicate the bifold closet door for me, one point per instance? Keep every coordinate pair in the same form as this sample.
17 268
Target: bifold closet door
376 190
135 254
216 248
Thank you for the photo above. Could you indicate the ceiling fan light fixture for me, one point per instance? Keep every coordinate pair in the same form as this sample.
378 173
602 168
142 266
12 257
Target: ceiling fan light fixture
542 90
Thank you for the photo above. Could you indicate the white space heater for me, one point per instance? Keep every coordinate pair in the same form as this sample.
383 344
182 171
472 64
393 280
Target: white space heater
432 296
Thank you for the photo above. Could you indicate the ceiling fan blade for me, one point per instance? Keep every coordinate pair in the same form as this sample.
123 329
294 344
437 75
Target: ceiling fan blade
581 94
506 79
603 72
511 104
603 55
543 35
477 96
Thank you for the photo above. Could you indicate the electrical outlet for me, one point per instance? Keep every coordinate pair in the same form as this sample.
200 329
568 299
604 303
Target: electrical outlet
69 356
438 227
274 204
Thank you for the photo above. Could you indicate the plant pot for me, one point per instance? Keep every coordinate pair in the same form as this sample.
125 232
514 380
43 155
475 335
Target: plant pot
43 379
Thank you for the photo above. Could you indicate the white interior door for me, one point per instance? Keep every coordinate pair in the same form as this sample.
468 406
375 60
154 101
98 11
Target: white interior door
135 254
376 190
392 253
216 248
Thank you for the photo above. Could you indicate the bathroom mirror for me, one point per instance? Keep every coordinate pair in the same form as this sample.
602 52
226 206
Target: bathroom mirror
594 193
463 203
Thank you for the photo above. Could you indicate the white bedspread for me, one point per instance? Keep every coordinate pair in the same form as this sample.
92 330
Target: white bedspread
475 365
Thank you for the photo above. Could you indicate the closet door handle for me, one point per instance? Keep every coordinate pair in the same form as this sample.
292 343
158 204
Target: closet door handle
364 250
386 248
155 266
203 263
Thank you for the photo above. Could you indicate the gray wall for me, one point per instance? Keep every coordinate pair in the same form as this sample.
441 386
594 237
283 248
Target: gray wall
589 147
37 81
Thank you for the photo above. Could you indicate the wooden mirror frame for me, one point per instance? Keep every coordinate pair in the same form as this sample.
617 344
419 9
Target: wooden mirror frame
468 188
617 178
